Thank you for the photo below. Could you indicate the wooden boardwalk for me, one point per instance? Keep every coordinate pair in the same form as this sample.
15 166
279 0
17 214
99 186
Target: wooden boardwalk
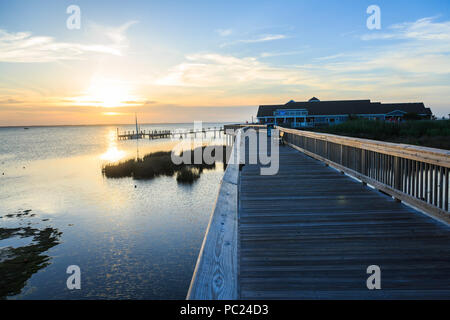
310 232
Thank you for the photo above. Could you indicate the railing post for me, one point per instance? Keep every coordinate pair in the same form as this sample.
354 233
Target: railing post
363 162
397 174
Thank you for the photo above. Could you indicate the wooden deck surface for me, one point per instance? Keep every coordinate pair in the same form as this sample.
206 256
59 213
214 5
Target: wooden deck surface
310 232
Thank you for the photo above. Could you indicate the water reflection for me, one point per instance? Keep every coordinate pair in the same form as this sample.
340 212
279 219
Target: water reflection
113 154
135 239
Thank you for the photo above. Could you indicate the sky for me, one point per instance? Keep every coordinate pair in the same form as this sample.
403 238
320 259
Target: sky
180 61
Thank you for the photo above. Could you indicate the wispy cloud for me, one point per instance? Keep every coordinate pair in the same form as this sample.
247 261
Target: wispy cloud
116 34
10 101
213 69
265 38
425 49
332 57
279 54
28 48
261 38
422 29
414 69
224 32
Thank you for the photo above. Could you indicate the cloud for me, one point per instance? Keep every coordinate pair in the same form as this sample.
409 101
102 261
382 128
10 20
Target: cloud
28 48
424 50
265 38
332 57
224 32
413 69
422 29
416 69
116 34
261 38
217 70
278 54
10 101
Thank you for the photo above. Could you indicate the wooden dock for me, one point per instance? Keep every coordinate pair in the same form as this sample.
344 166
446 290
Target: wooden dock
311 231
164 134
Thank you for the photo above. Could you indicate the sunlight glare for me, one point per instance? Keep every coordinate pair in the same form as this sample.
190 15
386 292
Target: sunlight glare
108 93
113 154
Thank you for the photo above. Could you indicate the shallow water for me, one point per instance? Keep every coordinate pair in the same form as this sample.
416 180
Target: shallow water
131 239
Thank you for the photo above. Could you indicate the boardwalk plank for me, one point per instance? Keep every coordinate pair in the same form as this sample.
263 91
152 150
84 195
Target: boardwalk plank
310 232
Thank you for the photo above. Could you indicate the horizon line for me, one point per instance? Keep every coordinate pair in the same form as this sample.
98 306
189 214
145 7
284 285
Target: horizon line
104 124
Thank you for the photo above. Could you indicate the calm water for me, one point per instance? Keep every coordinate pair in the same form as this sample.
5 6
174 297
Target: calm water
130 242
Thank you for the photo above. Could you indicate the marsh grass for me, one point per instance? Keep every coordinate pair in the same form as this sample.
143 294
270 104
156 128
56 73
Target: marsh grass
428 133
188 174
158 164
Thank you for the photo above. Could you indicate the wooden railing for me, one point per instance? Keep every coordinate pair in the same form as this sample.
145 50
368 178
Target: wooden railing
241 126
216 272
416 175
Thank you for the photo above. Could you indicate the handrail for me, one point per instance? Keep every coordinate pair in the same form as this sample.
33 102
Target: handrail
241 126
424 154
416 175
215 274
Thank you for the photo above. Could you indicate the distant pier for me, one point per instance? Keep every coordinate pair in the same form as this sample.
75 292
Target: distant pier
161 134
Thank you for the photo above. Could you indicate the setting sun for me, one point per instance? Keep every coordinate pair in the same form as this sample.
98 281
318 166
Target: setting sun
108 93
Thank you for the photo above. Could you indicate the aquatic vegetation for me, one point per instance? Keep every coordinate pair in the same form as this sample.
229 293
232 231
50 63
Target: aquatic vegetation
188 175
20 214
17 265
160 164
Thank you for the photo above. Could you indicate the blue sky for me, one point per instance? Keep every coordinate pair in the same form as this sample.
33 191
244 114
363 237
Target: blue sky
210 60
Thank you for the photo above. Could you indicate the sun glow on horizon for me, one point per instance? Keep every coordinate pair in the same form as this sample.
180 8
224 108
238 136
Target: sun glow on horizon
108 93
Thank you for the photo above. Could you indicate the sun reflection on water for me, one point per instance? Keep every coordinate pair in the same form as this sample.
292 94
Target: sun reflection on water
113 154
